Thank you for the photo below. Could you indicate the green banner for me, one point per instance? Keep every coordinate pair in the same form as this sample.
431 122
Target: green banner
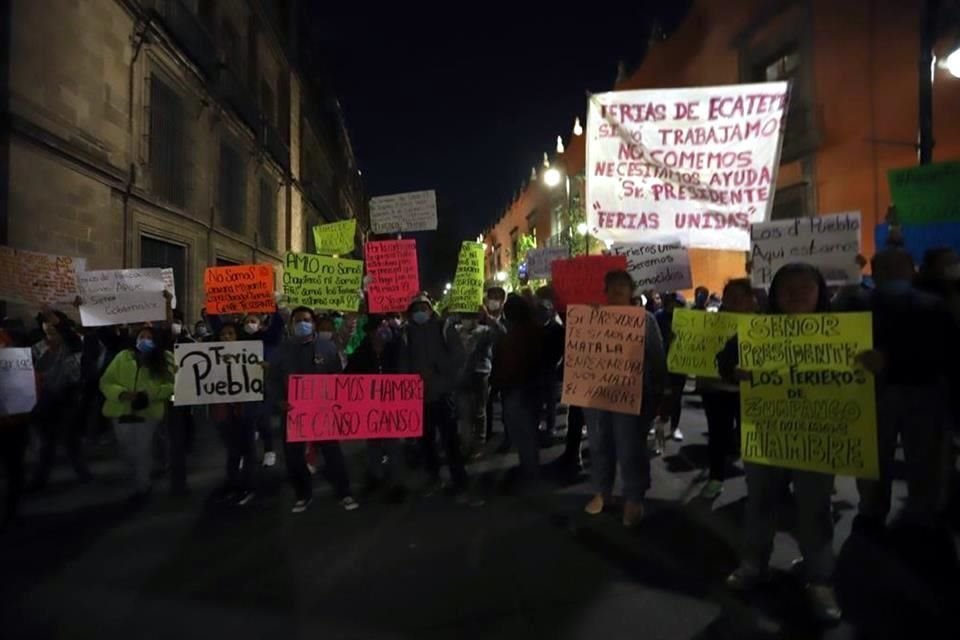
928 193
467 293
319 282
336 238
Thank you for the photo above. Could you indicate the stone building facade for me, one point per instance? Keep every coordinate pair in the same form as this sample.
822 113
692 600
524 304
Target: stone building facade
167 133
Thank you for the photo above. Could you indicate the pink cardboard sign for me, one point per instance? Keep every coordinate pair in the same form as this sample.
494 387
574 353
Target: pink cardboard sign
394 279
354 407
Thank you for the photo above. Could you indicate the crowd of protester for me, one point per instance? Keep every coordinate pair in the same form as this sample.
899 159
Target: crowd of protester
511 353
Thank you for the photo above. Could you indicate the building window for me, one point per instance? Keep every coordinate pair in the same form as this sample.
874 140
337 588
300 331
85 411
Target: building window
158 254
230 43
232 194
268 103
791 202
167 144
226 262
788 64
783 67
514 240
268 214
207 12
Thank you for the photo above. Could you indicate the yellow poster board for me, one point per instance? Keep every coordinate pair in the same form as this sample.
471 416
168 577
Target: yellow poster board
467 292
319 282
808 405
336 238
698 336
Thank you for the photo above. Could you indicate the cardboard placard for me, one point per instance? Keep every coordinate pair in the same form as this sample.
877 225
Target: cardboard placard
467 292
661 266
335 238
218 372
919 238
695 163
36 279
320 282
170 284
698 336
539 261
412 211
18 382
603 362
354 407
926 194
121 296
394 279
245 288
831 243
580 280
808 405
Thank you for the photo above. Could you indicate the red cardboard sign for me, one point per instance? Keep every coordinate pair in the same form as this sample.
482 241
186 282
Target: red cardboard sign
580 280
394 278
354 407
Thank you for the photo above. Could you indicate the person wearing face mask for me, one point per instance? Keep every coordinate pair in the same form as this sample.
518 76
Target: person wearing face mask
915 360
474 384
491 315
270 333
305 352
56 360
433 350
137 385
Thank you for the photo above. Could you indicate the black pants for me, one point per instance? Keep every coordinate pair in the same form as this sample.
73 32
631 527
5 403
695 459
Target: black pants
13 448
266 433
722 409
179 425
335 469
55 419
491 397
675 407
239 437
440 416
549 384
575 422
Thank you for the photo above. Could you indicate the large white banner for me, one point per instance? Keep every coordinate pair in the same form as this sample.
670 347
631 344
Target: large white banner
413 211
218 372
539 261
831 243
18 384
121 296
699 164
660 267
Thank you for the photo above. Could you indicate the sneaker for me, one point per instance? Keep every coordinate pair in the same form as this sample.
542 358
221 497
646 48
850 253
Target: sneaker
349 504
301 505
712 490
745 578
244 498
677 436
632 514
824 603
595 506
269 459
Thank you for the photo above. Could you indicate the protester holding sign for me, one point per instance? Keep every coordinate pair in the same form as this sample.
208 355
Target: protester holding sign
306 353
618 436
137 386
796 289
18 395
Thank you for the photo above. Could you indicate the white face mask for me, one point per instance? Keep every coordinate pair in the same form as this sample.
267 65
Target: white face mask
176 328
494 305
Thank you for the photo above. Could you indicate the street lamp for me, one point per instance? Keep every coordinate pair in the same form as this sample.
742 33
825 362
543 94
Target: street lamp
952 63
552 177
501 276
448 286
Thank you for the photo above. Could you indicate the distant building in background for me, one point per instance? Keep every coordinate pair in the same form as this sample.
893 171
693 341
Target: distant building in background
168 133
853 113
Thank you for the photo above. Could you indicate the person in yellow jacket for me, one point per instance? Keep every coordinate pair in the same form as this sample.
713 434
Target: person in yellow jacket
137 386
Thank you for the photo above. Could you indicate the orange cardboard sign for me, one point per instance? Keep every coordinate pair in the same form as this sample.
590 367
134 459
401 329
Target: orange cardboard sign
246 288
603 365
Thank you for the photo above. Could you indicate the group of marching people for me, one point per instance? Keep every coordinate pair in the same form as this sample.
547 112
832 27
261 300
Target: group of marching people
512 351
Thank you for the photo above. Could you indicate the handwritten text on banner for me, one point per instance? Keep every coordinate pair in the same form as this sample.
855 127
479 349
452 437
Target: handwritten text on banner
831 243
218 372
467 292
581 280
320 282
698 336
413 211
603 366
929 193
698 163
354 407
244 288
37 279
336 238
18 383
121 296
660 267
808 405
394 280
539 261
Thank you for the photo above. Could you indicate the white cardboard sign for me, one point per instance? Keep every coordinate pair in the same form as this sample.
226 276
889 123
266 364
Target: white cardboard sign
539 261
659 267
698 163
218 372
170 285
413 211
121 296
18 384
830 242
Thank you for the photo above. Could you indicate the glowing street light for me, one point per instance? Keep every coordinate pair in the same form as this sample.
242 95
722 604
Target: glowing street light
552 177
582 228
952 63
501 276
577 129
448 286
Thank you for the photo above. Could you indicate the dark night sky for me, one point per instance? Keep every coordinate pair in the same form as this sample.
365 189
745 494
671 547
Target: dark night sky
467 104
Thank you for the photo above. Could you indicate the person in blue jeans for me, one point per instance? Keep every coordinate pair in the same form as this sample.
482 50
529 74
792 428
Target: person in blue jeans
622 437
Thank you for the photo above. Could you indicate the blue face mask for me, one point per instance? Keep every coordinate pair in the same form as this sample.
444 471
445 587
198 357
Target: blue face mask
895 287
303 329
421 317
145 345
